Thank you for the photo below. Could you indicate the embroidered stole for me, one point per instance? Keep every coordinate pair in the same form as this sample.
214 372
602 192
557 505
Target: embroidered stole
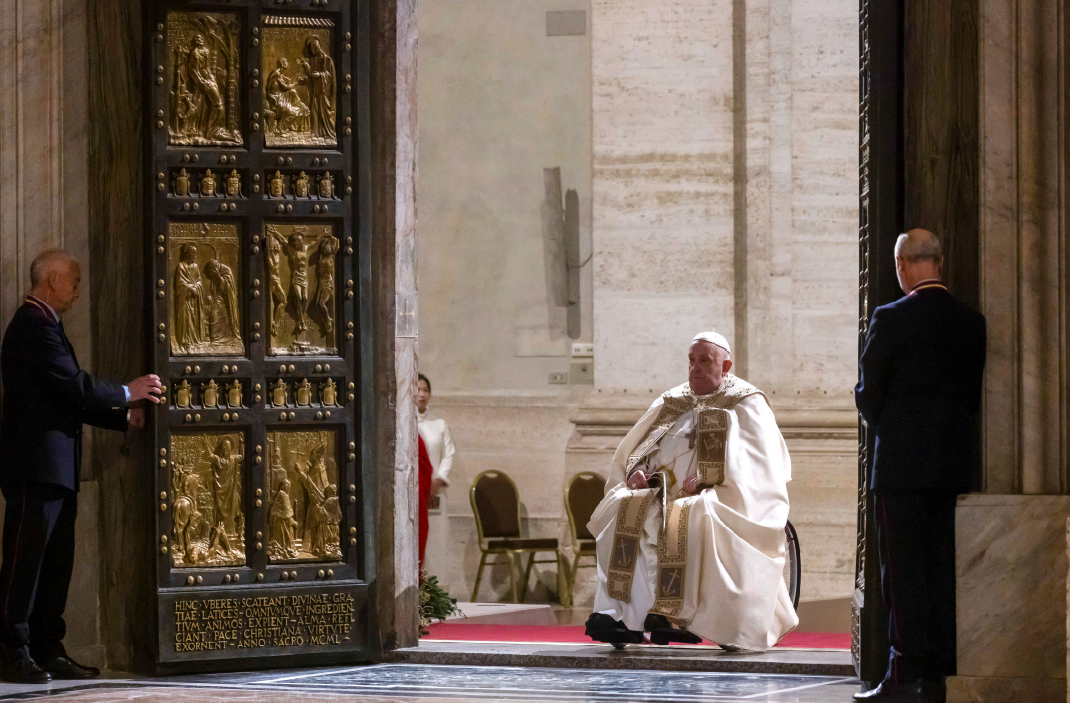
672 561
630 518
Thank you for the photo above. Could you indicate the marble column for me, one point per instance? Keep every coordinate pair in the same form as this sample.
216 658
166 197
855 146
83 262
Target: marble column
43 204
392 61
1023 247
406 542
1010 558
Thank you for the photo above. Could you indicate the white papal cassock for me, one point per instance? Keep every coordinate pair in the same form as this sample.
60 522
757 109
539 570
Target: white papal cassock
715 565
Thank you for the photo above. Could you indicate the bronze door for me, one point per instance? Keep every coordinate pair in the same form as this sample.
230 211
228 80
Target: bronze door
261 515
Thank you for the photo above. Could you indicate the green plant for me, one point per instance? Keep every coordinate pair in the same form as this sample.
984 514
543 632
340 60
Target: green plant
435 603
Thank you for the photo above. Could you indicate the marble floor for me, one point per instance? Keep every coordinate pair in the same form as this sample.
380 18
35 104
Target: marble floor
418 683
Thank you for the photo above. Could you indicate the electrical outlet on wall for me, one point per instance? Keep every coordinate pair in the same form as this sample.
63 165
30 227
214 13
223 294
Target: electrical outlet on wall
558 378
582 349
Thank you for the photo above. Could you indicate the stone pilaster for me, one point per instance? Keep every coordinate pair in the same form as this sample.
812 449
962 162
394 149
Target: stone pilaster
1023 247
43 203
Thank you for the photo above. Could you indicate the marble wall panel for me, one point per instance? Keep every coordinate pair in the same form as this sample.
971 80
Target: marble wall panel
391 434
1011 570
43 159
966 689
823 491
802 259
662 153
655 330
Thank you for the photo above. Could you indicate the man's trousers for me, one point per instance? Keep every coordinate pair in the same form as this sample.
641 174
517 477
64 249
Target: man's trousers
916 543
37 564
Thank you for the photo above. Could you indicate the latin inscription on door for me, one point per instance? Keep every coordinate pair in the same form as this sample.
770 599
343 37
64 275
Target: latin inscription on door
318 619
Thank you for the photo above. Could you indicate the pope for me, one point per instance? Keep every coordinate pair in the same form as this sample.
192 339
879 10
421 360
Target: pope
690 535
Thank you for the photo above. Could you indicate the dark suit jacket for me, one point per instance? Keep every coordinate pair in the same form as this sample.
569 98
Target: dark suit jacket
919 384
47 398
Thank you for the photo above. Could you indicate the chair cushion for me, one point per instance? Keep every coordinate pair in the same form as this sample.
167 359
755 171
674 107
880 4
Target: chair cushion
587 546
524 544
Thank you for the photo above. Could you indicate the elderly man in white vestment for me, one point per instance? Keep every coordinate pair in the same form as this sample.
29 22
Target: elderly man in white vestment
691 531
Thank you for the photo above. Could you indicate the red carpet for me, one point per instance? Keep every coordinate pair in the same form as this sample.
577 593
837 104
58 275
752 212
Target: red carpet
574 634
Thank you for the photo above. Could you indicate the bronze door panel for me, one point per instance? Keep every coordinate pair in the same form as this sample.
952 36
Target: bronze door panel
203 67
301 82
301 262
206 275
208 527
302 475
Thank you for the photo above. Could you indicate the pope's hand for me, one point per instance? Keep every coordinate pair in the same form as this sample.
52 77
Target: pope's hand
137 417
637 481
437 485
691 485
145 387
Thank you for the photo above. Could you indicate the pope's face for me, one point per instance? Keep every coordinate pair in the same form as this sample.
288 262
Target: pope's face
706 366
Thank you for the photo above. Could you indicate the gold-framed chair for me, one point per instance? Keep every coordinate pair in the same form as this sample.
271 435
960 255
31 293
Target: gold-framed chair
496 506
583 493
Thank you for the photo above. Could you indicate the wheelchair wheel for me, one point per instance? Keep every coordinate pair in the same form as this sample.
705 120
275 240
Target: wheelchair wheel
792 564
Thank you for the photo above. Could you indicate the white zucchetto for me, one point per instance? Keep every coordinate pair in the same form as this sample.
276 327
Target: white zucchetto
713 338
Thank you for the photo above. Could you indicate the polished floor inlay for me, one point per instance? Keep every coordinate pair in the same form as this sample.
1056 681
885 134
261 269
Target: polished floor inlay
414 683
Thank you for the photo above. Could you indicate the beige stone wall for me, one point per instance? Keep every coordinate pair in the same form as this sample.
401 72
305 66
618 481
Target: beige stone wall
499 101
663 185
723 193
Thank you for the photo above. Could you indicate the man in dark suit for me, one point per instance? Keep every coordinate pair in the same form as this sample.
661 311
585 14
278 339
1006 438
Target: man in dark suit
919 385
47 398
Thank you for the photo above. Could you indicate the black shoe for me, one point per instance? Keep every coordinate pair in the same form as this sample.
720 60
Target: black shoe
17 666
63 667
890 692
662 632
603 628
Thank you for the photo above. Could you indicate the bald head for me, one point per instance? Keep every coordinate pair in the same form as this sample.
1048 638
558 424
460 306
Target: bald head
918 258
48 261
918 244
54 279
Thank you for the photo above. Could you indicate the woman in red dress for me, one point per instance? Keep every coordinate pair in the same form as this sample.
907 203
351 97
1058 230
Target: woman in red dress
425 471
